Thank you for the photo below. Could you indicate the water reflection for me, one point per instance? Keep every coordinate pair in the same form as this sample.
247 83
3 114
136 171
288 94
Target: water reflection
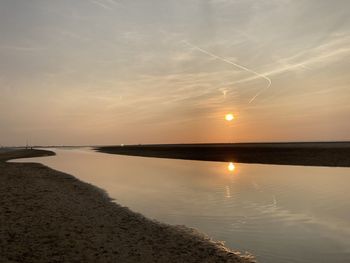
278 213
231 167
228 192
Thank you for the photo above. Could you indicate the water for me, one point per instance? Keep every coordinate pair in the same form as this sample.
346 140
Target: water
278 213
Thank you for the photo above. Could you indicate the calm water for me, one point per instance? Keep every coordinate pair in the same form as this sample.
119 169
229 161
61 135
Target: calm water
278 213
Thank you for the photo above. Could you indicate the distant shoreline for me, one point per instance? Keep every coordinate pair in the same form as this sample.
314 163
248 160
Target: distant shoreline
50 216
332 154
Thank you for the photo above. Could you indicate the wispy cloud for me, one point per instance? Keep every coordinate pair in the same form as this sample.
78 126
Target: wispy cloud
21 48
104 4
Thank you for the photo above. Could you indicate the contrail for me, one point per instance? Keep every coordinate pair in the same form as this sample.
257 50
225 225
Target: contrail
236 65
96 2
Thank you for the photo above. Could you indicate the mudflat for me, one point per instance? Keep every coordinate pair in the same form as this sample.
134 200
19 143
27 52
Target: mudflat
334 154
50 216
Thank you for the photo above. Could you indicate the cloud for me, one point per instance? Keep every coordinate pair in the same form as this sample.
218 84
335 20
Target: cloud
21 48
321 55
105 4
226 60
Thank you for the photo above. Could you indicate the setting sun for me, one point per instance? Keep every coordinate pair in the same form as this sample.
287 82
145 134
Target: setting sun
229 117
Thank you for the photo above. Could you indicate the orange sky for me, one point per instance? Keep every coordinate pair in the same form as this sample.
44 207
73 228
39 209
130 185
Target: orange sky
110 72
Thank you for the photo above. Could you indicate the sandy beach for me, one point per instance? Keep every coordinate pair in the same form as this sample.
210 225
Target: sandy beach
49 216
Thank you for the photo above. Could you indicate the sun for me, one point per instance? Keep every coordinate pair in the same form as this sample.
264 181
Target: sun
229 117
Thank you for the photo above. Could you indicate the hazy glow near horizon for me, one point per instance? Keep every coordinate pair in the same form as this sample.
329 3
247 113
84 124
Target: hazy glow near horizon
161 71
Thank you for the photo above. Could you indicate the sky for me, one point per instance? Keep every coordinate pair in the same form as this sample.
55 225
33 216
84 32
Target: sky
95 72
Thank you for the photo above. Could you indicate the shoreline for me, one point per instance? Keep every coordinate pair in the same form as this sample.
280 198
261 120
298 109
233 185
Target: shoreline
332 154
47 215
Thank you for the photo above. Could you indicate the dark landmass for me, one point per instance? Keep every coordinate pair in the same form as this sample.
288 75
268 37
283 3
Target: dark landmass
336 154
10 154
50 216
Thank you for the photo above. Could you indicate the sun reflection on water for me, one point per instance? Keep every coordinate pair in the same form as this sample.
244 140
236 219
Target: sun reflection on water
231 167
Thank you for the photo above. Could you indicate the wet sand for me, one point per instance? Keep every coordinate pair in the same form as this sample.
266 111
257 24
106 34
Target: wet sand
49 216
334 154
